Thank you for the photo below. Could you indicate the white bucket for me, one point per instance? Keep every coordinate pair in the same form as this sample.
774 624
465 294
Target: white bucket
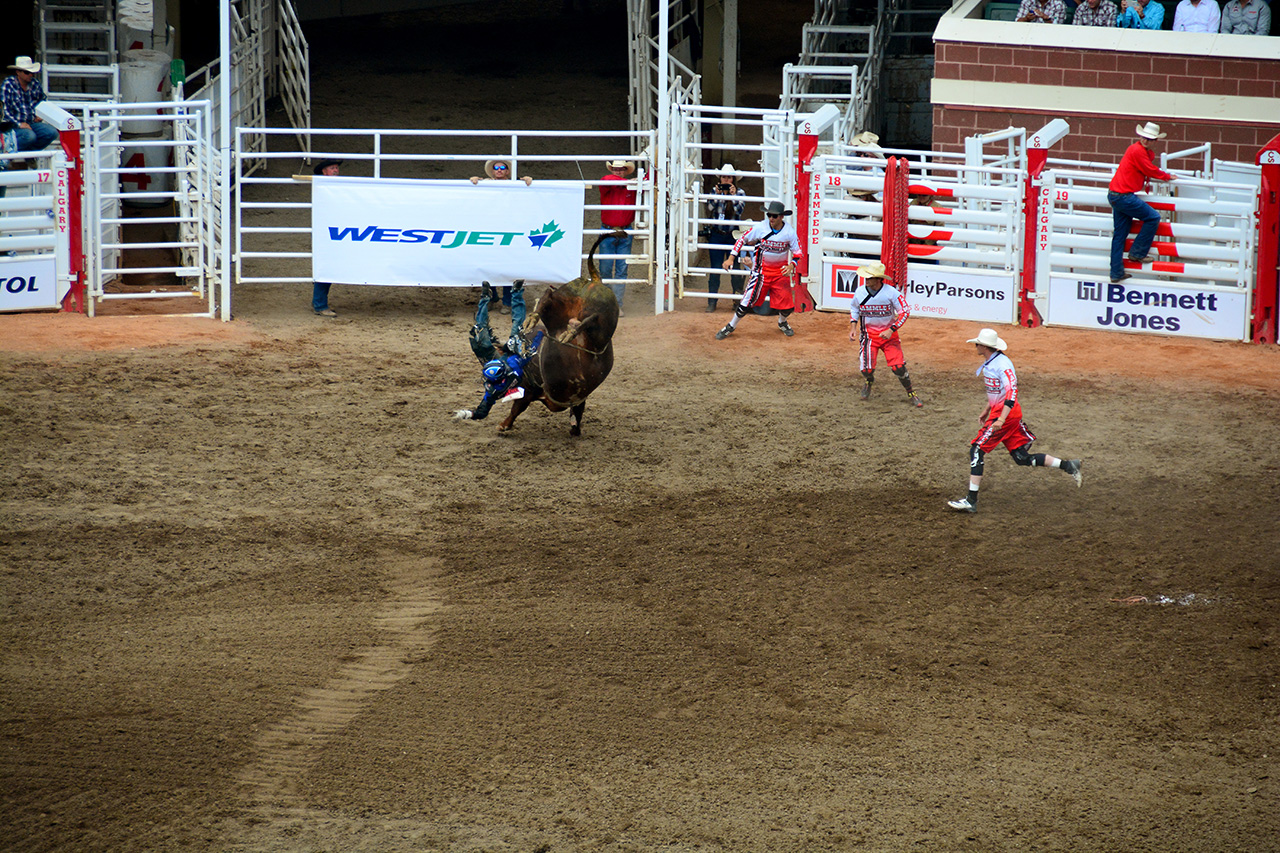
132 38
145 159
144 79
139 14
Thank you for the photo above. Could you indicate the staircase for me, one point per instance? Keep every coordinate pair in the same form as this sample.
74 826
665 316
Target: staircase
78 50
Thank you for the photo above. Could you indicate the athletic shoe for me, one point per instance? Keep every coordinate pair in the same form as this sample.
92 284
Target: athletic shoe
724 333
915 400
865 391
1072 467
786 329
962 505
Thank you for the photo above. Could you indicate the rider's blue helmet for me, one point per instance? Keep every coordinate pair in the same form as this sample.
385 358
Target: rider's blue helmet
493 370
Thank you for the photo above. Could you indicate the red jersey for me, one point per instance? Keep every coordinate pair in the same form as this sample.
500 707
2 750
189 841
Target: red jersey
619 194
1136 166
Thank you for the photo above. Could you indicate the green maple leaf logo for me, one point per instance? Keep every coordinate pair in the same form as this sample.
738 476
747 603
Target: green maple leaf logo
545 236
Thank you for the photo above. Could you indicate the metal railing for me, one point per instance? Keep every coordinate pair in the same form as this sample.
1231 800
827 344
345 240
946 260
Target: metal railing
272 210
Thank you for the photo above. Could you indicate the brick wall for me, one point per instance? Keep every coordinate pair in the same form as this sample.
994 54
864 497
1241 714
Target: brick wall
1104 137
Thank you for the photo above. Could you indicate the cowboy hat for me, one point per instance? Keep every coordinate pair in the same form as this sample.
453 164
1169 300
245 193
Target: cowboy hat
728 170
776 208
1150 130
324 164
988 338
625 165
489 164
25 63
876 270
866 139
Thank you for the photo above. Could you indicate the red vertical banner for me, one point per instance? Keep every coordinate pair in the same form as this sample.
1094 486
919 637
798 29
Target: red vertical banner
808 146
1036 159
70 203
1266 294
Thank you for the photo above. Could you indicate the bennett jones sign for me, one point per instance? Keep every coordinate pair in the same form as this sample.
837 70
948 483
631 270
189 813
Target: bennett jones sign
1147 307
406 232
932 293
27 284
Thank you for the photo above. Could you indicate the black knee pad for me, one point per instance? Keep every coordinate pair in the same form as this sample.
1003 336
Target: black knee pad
739 311
1022 457
900 372
976 460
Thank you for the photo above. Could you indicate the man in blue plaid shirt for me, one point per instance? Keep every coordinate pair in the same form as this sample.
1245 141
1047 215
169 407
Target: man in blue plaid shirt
21 93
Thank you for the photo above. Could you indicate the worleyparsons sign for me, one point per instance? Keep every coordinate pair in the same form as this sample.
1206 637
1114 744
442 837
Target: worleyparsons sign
404 232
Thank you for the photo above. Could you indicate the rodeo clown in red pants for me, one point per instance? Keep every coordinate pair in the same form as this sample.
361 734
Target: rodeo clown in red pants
880 310
1002 421
777 247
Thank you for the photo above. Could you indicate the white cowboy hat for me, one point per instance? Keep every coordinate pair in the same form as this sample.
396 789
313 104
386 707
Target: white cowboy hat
865 139
989 338
25 63
489 164
876 270
727 169
1150 130
625 165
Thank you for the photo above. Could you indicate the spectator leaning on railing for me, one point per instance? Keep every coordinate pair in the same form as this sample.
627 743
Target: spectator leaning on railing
1095 13
1248 18
1140 15
1196 16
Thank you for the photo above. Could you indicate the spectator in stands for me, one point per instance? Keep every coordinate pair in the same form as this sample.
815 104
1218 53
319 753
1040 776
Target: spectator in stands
1095 13
22 92
499 169
1136 167
1042 12
1196 16
1247 18
320 289
1140 15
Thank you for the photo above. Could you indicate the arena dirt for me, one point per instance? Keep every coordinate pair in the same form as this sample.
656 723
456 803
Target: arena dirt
261 593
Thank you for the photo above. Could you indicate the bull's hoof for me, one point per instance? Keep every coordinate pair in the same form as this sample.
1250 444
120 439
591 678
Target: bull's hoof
575 430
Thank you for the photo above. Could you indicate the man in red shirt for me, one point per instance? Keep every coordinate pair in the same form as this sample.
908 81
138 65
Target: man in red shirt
1136 166
618 196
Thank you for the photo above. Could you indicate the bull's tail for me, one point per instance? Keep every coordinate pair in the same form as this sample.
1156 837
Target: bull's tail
593 274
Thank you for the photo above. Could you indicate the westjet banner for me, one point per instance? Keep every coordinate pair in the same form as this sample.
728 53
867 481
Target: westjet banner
404 232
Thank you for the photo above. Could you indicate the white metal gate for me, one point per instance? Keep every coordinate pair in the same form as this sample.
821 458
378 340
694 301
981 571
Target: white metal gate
294 59
162 183
763 155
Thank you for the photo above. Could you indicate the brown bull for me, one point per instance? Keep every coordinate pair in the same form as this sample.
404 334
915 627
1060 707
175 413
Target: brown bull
577 351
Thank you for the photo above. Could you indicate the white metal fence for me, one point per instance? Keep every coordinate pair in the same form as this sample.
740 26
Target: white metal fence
964 235
273 209
161 186
763 156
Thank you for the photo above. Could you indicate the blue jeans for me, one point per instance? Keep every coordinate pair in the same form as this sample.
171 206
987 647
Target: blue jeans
38 138
320 296
615 267
518 313
1126 207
